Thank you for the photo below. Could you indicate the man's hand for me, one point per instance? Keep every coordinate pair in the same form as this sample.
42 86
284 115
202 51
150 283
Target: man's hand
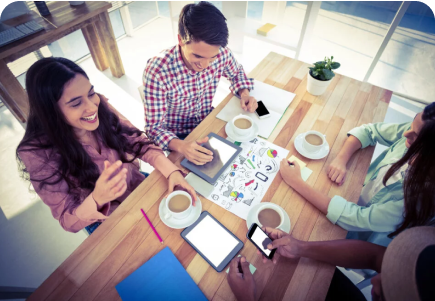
241 280
285 244
337 170
247 102
194 152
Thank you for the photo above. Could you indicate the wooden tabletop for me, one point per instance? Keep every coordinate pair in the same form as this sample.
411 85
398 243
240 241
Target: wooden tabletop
125 241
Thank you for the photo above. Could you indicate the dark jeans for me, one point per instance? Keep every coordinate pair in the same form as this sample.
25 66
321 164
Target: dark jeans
342 288
91 228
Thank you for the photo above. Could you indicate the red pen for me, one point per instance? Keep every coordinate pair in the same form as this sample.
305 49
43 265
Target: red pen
151 225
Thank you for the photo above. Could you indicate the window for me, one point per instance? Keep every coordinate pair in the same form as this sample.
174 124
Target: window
255 10
351 32
116 20
407 63
163 8
142 12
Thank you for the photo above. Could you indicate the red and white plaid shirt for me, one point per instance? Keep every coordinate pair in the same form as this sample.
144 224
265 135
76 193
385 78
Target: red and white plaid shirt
178 99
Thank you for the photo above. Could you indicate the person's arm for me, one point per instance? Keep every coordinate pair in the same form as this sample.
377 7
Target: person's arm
155 106
93 207
337 169
381 217
353 254
292 176
241 280
361 137
346 253
383 133
192 150
240 83
154 156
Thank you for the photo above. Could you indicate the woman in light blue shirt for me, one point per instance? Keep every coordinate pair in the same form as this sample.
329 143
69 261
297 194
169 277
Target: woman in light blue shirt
399 189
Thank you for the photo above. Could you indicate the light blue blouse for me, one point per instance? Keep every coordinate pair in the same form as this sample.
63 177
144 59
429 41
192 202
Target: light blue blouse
384 212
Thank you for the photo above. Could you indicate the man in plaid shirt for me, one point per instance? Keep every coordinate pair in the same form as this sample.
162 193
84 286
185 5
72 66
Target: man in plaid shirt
181 82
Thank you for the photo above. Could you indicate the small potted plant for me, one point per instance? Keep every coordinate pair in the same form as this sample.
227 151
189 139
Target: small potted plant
320 75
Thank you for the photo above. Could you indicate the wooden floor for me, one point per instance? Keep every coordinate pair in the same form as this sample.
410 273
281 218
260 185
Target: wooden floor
125 241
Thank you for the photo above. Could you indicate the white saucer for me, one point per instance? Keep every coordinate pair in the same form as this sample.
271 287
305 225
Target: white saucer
178 223
238 138
322 153
252 218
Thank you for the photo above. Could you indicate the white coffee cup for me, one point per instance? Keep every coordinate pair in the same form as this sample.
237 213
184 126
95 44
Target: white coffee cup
274 208
239 131
177 215
311 148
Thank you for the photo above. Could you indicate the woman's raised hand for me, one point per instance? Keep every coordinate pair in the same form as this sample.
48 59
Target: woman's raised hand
111 184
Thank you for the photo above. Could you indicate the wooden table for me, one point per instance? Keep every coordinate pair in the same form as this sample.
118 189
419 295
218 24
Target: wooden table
125 241
91 17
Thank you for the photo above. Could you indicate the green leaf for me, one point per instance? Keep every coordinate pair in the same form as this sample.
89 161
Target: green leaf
332 57
335 65
328 74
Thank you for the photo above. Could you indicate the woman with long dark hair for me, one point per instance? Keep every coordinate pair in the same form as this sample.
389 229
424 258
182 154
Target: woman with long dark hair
399 189
80 156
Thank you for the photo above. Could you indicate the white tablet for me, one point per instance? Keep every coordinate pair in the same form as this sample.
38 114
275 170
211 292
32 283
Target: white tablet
215 243
224 152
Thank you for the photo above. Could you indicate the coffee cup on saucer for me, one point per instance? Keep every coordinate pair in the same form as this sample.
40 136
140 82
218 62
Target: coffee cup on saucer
242 125
313 141
269 216
178 205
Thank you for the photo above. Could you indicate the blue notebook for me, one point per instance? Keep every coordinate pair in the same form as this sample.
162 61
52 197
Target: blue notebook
160 278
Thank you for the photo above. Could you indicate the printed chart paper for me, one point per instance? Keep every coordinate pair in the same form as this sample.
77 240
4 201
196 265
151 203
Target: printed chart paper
244 184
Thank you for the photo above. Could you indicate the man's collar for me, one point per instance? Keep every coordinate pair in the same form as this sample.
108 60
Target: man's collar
182 70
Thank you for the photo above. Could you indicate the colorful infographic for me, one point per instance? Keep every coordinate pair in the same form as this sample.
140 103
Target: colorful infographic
245 182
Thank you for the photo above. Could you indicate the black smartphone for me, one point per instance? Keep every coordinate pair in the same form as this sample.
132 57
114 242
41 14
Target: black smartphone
260 239
262 111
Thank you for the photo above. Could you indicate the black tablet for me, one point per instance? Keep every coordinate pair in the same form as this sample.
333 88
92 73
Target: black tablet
224 152
215 243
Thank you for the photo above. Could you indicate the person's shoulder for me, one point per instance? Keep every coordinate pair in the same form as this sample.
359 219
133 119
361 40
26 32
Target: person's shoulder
225 57
160 62
37 152
225 53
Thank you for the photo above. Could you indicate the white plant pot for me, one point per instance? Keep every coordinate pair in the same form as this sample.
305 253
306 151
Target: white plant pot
315 86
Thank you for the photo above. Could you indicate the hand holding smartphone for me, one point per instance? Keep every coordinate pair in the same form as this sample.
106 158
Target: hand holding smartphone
262 111
260 239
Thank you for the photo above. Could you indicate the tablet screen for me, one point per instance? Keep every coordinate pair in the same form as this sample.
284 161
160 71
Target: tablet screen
222 152
212 240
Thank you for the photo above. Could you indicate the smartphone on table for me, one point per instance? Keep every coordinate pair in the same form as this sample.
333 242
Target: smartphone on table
260 239
262 111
